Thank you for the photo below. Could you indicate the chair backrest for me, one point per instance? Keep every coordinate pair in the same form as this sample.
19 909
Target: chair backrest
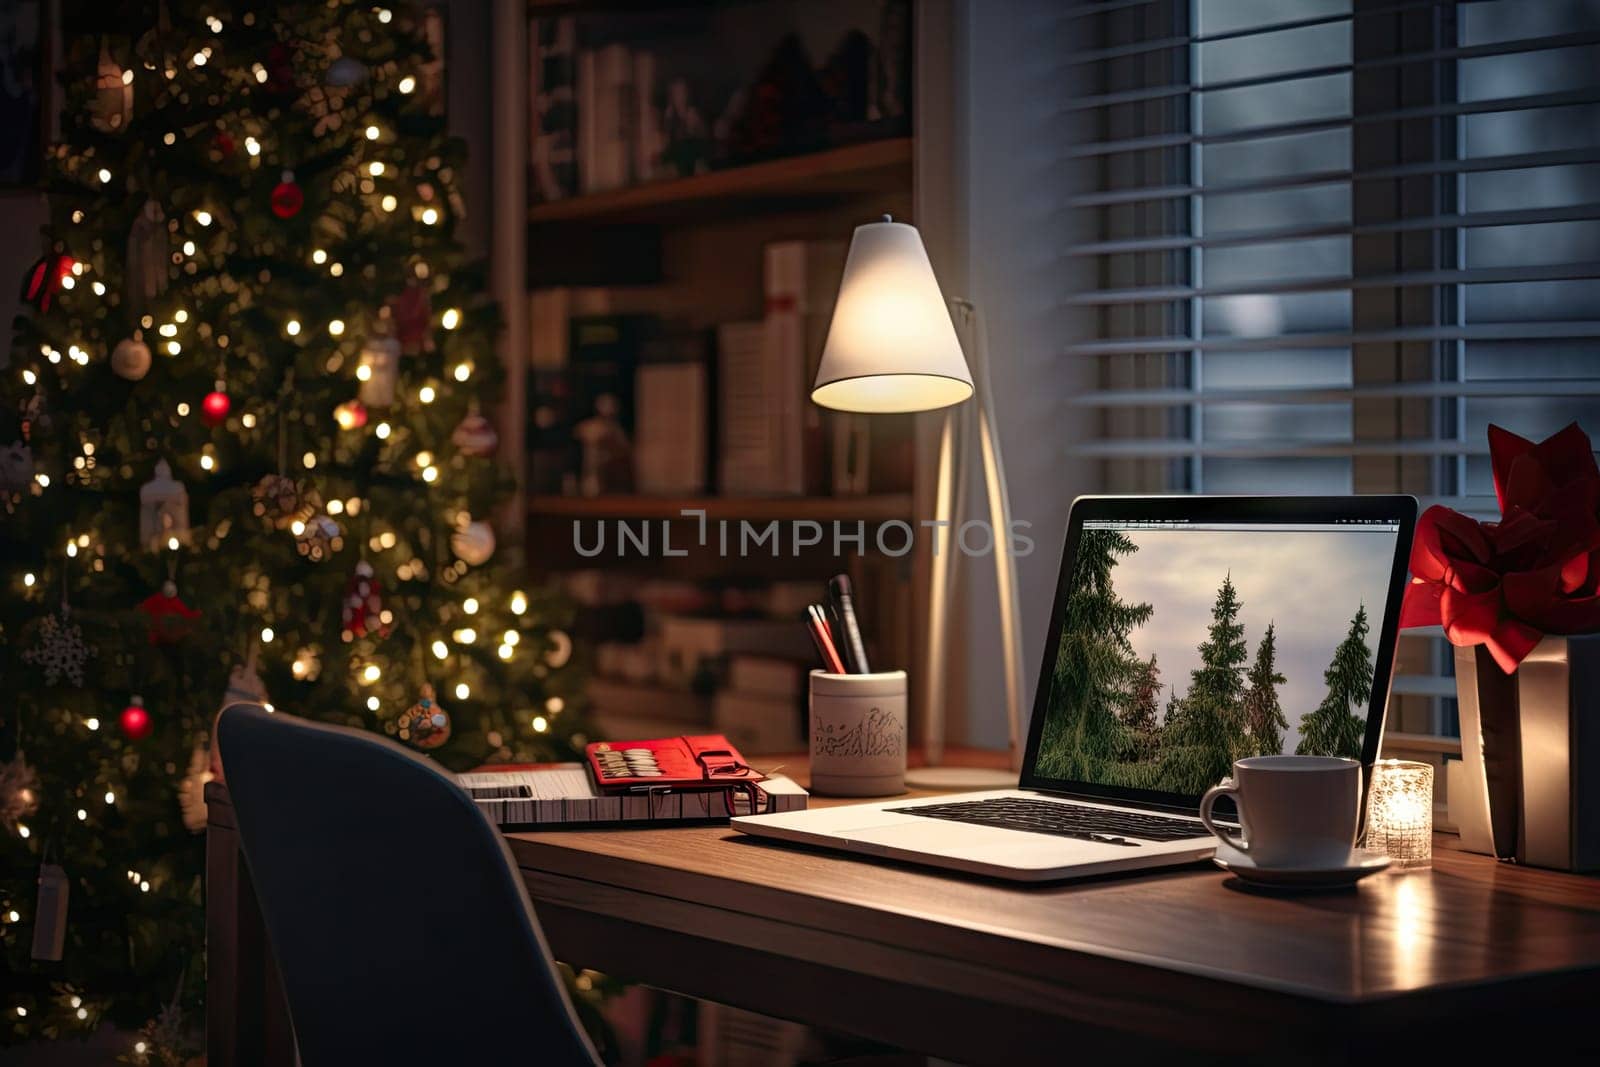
401 927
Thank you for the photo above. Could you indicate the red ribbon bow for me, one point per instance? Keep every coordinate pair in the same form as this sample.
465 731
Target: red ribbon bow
1507 584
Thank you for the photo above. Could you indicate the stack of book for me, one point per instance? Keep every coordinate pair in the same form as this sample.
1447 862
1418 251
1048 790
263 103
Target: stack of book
773 437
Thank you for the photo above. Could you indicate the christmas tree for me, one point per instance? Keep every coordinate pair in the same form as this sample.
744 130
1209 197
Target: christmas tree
1199 749
1095 666
244 459
1263 713
1332 729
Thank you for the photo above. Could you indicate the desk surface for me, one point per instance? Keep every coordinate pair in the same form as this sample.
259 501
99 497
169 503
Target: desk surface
1156 954
1169 963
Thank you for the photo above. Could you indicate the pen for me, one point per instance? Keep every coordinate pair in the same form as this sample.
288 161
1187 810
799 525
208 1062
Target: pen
844 603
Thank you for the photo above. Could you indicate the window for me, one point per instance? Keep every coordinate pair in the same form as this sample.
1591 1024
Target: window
1320 246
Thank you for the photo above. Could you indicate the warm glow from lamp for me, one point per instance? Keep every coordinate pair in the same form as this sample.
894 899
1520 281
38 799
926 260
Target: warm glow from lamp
1400 812
891 345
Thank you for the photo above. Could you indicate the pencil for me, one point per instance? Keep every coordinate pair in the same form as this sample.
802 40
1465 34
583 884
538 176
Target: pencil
818 625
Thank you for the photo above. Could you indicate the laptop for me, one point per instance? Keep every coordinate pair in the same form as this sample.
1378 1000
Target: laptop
1186 632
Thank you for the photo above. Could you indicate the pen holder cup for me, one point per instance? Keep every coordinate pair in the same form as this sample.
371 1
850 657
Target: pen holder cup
858 734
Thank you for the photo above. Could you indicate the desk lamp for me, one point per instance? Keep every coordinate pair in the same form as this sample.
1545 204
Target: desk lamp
892 348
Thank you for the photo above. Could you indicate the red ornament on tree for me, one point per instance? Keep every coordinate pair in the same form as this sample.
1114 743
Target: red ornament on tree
287 197
214 408
280 70
44 280
136 723
171 619
413 314
222 141
363 614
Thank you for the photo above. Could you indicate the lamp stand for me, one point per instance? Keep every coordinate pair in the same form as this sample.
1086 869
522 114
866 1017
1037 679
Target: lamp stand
949 504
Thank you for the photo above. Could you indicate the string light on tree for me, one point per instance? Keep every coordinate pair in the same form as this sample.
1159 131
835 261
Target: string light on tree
350 415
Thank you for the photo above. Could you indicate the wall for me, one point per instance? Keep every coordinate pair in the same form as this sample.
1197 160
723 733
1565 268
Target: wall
992 204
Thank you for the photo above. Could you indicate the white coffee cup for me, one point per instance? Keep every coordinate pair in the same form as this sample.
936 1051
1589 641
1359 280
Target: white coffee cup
858 734
1295 811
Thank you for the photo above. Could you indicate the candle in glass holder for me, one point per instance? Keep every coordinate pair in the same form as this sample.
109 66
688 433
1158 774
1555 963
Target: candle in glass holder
1400 812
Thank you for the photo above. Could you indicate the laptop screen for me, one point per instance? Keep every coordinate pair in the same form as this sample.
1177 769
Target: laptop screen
1187 643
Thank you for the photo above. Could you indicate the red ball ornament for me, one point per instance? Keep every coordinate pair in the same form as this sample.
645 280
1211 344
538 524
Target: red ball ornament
223 143
136 722
214 408
287 197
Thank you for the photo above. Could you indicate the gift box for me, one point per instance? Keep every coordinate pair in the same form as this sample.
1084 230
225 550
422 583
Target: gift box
1530 746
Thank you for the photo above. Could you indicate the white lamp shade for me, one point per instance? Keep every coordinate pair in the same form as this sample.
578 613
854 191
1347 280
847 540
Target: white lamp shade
891 345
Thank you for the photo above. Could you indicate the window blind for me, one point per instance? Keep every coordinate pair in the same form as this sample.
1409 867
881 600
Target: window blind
1319 246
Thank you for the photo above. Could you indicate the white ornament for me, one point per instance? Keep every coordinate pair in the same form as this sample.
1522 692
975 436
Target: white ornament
131 359
163 509
381 357
148 251
61 651
473 543
475 436
113 103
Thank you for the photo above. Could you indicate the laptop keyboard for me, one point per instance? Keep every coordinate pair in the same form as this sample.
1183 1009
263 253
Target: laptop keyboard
1061 820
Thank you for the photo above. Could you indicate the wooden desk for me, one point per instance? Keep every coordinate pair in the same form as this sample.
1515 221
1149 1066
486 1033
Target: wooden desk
1178 962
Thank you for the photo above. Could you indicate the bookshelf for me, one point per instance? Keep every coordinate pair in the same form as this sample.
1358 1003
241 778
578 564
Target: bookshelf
870 168
685 254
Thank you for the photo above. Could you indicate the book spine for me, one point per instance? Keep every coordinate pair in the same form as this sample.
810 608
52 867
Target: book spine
647 119
588 117
746 463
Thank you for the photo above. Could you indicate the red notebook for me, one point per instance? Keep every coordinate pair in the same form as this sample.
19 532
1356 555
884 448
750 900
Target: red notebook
692 761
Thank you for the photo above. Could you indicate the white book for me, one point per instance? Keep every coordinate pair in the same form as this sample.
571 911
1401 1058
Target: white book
615 110
751 454
670 426
801 281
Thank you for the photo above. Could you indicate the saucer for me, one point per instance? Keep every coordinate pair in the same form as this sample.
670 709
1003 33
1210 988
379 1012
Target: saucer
1362 862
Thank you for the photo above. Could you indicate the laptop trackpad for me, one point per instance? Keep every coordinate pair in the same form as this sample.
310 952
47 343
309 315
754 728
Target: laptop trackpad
932 835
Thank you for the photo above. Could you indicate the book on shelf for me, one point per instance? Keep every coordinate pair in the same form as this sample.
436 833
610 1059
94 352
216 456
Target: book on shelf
648 141
607 108
672 416
801 281
553 408
553 106
759 417
603 353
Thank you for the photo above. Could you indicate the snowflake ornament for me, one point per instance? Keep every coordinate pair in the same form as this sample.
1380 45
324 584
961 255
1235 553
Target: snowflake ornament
60 651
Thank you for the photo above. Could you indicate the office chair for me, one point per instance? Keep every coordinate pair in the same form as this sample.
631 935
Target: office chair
401 928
